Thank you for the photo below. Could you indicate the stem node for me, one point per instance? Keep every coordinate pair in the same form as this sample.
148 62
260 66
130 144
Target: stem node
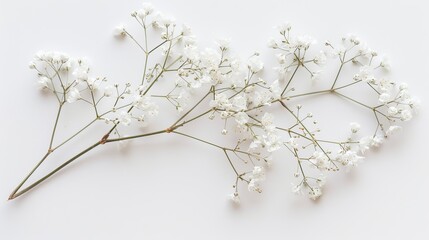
104 139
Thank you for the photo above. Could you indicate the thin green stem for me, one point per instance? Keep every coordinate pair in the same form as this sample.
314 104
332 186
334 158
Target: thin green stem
192 119
13 194
230 162
353 100
74 135
290 80
136 136
190 110
55 125
198 139
16 194
338 75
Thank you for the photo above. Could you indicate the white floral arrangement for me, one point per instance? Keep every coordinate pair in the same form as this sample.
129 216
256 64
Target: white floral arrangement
260 116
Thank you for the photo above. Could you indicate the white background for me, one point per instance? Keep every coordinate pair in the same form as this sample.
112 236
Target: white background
171 188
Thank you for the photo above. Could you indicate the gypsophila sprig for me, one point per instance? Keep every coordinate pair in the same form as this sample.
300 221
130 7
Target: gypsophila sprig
212 84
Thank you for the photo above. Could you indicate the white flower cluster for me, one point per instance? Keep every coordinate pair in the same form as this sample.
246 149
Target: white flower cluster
234 91
395 104
70 81
73 75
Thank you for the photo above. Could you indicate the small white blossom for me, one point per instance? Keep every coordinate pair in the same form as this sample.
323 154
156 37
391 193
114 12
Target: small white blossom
145 104
255 64
146 10
254 186
316 75
354 127
272 44
44 82
109 91
365 75
258 173
349 159
384 97
320 59
292 142
234 197
32 65
262 98
162 21
73 95
320 160
241 118
406 115
297 189
385 84
186 32
403 86
239 103
393 130
275 89
273 141
321 180
385 63
392 111
315 193
267 121
256 143
377 141
283 28
119 31
302 42
124 118
223 43
81 74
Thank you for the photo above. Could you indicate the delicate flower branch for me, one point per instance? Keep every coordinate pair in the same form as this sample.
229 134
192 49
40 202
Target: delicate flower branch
212 84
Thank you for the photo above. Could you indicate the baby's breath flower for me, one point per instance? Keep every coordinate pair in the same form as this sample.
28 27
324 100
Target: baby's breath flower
385 63
377 141
146 10
406 115
255 64
392 110
109 91
320 59
297 189
384 97
320 160
267 121
241 118
234 197
283 28
273 141
254 186
258 173
73 95
349 158
223 43
124 118
315 193
32 65
239 95
146 104
119 31
293 143
393 130
44 82
355 127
